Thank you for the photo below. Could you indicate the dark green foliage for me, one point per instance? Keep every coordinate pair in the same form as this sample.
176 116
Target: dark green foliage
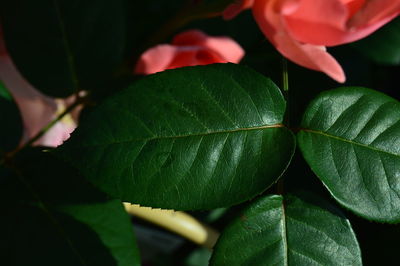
65 45
351 139
10 121
288 230
52 216
196 138
192 138
383 47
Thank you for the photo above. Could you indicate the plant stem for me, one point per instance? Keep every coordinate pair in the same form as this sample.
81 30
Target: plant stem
285 91
68 51
285 75
43 131
286 122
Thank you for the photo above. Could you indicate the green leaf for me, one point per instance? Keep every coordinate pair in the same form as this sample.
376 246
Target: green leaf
60 46
199 257
10 121
288 230
192 138
351 139
382 47
52 216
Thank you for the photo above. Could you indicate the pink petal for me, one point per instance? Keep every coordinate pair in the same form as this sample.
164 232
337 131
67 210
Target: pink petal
373 15
353 5
268 16
37 110
194 56
319 22
227 48
155 59
189 48
338 21
56 135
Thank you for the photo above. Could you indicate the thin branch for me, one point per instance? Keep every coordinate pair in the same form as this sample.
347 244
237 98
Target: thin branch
43 131
68 50
285 90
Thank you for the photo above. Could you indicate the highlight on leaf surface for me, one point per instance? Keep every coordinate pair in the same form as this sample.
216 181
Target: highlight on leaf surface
350 137
288 230
192 138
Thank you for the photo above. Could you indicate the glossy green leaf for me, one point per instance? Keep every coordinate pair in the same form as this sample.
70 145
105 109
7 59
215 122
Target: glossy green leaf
351 139
382 47
192 138
10 121
288 230
53 216
63 45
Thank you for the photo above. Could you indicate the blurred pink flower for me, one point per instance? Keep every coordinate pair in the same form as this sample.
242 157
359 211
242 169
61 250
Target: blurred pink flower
189 48
301 29
37 110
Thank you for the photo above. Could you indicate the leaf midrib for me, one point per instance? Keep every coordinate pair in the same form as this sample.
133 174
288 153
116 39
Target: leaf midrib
190 135
348 141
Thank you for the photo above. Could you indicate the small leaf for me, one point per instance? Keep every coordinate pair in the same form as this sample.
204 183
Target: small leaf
351 139
288 230
192 138
52 216
62 46
10 121
382 47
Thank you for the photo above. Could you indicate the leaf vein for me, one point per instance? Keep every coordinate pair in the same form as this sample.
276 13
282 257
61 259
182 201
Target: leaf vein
348 141
187 135
219 106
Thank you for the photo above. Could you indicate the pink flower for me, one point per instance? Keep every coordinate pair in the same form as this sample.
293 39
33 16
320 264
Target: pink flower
301 29
37 110
189 48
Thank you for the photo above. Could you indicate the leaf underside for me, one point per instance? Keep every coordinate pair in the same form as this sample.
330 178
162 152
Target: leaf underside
351 140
